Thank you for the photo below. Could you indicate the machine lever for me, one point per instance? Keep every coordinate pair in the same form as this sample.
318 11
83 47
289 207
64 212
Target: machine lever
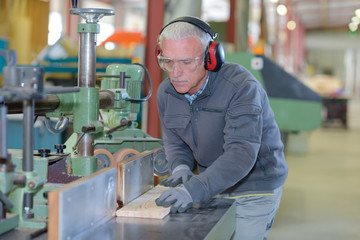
5 200
77 142
74 3
85 130
124 123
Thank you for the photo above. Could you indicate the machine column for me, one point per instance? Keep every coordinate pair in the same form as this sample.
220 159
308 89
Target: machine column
3 132
87 106
87 56
28 135
87 75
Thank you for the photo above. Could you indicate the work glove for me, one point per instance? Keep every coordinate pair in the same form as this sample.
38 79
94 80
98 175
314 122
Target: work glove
179 197
180 175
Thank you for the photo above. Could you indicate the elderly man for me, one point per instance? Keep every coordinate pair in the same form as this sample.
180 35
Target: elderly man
216 117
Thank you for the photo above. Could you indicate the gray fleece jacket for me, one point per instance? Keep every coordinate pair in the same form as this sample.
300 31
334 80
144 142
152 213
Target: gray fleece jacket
230 132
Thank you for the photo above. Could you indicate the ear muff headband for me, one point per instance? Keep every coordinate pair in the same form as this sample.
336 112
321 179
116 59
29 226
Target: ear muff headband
214 54
196 22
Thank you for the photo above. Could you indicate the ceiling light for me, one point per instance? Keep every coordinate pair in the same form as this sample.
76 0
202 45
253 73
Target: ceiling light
281 10
274 1
291 25
109 46
353 27
355 20
357 12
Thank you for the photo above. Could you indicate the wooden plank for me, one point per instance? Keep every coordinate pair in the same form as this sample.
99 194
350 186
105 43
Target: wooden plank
53 215
145 206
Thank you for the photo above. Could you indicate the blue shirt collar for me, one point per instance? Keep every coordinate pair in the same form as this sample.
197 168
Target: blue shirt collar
191 98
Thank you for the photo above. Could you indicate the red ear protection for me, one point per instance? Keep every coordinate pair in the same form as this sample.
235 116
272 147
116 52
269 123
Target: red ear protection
214 57
214 54
157 50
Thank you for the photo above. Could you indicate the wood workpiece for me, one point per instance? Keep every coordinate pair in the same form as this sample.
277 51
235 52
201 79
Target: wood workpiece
145 206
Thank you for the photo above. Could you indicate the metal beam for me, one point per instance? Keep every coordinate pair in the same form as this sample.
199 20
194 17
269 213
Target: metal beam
230 26
82 205
155 19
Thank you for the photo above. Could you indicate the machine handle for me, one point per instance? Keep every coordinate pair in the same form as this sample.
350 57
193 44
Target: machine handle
150 87
4 199
60 126
74 3
124 122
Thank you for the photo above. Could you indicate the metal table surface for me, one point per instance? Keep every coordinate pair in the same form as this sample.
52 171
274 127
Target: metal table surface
214 219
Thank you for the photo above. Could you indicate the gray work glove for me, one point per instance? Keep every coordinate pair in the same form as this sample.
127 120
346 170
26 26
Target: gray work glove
179 197
180 175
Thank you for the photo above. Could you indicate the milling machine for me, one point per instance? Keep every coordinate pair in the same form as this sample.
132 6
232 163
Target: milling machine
76 189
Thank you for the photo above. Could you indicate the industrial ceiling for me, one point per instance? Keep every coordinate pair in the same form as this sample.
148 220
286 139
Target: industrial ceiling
323 14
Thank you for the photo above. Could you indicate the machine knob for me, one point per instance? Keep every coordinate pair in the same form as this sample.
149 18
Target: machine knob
44 152
60 148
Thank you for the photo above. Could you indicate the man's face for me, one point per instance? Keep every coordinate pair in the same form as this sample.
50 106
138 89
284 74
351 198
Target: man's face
186 57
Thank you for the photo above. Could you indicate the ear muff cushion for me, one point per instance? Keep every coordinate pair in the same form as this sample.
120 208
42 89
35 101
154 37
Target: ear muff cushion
214 57
157 52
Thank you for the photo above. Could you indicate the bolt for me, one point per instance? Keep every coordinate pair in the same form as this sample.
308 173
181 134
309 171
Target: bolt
27 210
31 185
60 148
44 152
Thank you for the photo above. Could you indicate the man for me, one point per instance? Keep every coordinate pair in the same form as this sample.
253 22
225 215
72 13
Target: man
221 118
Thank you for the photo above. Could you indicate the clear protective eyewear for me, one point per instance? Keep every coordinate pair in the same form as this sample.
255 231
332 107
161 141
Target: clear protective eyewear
182 64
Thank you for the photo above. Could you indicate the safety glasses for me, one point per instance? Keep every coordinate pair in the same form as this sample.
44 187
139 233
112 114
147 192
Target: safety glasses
182 64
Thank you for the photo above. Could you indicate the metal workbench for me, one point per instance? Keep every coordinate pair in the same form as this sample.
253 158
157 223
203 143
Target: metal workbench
214 219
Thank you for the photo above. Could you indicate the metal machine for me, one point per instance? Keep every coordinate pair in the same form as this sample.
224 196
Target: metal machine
94 144
74 190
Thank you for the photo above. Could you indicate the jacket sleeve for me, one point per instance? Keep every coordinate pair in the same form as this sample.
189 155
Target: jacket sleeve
177 151
242 138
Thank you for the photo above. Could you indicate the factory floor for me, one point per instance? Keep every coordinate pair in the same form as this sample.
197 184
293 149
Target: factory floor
321 197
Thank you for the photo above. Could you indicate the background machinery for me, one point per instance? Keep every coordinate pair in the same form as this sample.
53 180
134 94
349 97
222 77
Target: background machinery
104 127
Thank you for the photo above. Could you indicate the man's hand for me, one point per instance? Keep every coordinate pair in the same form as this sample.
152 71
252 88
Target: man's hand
179 197
180 175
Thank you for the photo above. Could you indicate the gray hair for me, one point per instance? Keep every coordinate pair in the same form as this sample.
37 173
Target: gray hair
183 30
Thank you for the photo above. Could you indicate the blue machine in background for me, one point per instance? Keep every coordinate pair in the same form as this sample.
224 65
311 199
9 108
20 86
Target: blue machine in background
3 46
42 137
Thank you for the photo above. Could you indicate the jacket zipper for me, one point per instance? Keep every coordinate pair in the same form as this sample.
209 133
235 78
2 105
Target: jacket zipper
192 123
210 110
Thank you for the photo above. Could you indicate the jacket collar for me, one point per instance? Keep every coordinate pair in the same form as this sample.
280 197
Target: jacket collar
206 92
